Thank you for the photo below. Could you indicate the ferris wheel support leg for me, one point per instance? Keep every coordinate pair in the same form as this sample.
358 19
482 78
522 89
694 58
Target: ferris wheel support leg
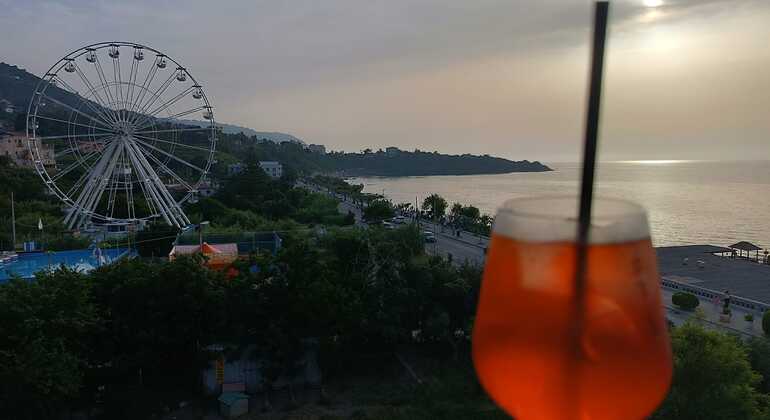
150 187
94 177
104 180
170 203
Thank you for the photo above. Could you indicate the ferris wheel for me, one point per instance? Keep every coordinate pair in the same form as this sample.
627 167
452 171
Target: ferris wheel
121 133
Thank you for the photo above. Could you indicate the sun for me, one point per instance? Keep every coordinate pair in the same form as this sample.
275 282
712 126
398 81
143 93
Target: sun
653 3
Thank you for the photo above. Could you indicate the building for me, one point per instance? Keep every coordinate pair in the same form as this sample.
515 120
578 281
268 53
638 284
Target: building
272 168
392 151
235 168
208 188
7 107
14 146
317 148
219 256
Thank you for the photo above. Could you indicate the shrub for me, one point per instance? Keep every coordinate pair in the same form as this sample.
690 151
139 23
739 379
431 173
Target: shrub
766 323
686 301
749 317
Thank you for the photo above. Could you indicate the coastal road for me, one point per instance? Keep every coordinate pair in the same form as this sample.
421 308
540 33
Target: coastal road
466 248
471 248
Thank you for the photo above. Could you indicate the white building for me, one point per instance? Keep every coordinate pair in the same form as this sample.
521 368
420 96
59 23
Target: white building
272 168
235 168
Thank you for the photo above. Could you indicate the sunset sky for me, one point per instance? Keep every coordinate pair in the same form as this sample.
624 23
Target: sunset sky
688 79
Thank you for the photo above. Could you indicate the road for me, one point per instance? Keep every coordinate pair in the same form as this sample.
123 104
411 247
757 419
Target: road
466 248
472 248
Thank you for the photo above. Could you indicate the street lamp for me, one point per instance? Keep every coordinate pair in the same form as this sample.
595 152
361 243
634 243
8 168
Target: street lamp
200 234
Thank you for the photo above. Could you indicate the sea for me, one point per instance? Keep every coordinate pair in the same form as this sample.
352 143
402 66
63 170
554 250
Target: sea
688 202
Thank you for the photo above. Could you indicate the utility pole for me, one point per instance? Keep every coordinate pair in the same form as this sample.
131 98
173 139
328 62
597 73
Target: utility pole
13 223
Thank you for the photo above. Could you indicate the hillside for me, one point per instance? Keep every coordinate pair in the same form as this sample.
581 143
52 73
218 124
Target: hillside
250 132
417 163
240 143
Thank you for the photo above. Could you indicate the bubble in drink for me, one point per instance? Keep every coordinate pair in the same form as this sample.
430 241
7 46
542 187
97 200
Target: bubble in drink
545 352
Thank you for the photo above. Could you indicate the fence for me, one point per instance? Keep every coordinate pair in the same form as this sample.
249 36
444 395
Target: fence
748 304
247 242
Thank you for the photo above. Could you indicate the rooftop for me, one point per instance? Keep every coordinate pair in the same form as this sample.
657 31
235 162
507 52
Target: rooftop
698 266
745 246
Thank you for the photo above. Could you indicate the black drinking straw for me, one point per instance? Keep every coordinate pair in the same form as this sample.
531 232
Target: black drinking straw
589 151
587 185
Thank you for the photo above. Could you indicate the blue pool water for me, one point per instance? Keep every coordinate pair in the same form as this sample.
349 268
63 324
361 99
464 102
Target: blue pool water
83 260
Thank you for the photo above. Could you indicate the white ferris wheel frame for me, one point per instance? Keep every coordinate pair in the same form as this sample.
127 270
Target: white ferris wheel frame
120 116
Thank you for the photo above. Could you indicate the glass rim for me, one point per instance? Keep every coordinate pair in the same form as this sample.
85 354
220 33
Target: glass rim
550 218
508 207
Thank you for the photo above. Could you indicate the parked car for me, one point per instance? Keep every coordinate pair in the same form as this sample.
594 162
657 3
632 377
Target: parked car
429 237
388 225
400 220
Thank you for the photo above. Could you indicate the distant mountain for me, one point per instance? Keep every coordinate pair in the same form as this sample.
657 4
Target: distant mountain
396 162
249 132
17 86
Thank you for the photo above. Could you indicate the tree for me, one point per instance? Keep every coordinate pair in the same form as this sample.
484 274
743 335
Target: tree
435 206
766 323
712 378
471 212
456 211
759 355
45 327
378 210
686 301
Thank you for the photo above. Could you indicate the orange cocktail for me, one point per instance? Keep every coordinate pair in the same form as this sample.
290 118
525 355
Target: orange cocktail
544 351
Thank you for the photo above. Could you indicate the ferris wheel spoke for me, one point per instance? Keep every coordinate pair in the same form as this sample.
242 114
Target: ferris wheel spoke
153 98
82 179
170 172
103 80
105 116
174 143
77 111
131 82
145 86
74 123
74 136
180 160
76 164
149 115
109 115
118 83
173 130
175 116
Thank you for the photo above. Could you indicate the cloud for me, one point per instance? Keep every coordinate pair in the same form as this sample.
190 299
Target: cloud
487 76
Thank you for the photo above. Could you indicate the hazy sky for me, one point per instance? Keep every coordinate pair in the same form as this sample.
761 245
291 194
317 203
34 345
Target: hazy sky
687 80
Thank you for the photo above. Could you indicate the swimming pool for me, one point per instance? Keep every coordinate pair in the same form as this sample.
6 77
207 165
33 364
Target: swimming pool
84 260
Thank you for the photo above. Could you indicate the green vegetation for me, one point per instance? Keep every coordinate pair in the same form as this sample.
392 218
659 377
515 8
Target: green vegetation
418 163
378 210
766 323
686 301
713 378
434 206
31 204
133 330
470 218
